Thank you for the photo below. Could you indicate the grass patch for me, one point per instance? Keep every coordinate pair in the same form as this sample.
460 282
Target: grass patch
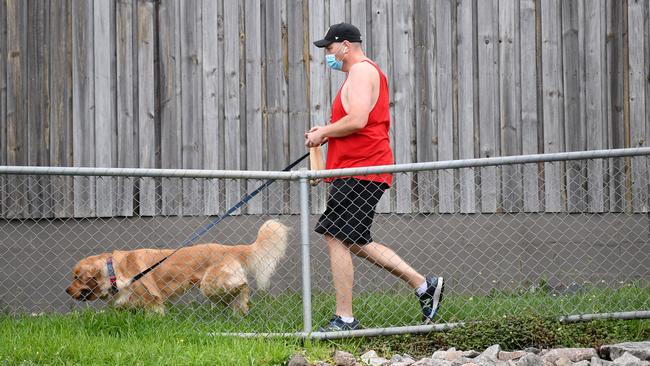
119 337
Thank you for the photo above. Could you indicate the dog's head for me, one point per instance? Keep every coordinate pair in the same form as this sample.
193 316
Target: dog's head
89 279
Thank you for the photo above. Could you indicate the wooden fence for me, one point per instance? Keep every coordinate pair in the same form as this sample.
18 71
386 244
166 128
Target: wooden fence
219 84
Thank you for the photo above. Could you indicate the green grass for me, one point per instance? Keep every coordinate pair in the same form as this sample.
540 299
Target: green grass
183 336
381 309
118 337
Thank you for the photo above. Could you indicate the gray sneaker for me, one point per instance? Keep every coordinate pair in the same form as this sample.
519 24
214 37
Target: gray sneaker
336 324
431 298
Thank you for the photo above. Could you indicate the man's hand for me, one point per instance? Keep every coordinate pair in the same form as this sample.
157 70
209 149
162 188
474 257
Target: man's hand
315 137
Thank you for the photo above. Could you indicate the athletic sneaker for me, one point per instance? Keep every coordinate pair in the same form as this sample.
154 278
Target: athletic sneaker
431 298
336 324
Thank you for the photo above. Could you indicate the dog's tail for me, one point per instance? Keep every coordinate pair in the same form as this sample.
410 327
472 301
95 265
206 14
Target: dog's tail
267 251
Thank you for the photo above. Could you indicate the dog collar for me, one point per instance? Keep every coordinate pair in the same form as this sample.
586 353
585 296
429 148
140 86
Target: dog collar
111 276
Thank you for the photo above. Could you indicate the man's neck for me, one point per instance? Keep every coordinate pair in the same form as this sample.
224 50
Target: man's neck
353 59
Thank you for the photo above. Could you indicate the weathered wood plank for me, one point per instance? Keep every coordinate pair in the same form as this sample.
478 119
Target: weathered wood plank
211 143
646 18
3 102
529 118
112 15
16 112
552 100
169 38
60 111
276 100
574 128
595 102
318 86
637 12
83 115
146 105
104 121
444 95
488 87
336 11
381 25
191 101
403 98
425 101
615 94
466 46
510 108
359 17
126 148
232 123
253 86
298 48
38 144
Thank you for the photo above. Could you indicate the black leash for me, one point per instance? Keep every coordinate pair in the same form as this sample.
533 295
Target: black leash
207 228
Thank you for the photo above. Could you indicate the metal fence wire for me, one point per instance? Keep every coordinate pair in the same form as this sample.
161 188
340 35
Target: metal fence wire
549 238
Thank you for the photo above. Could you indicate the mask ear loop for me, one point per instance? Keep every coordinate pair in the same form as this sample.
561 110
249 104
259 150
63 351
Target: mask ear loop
345 51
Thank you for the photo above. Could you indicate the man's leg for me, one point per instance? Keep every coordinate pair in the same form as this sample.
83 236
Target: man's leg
342 275
429 290
386 258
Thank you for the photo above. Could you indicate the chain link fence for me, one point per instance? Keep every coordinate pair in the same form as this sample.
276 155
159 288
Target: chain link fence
553 238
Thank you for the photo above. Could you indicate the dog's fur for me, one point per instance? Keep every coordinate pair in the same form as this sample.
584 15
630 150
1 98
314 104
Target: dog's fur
219 271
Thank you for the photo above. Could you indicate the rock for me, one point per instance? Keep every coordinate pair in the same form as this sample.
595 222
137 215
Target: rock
469 364
371 358
398 360
298 360
507 356
582 363
489 357
628 359
595 361
492 352
442 355
532 350
368 355
572 354
470 354
563 361
433 362
424 362
637 349
530 359
321 363
451 355
342 358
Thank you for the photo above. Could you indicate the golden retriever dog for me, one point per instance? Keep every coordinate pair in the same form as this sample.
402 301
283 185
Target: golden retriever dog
220 272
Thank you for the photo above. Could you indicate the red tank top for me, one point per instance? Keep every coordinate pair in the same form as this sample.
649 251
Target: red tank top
369 146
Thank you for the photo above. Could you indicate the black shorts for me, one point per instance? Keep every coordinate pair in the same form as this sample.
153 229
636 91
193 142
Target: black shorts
350 210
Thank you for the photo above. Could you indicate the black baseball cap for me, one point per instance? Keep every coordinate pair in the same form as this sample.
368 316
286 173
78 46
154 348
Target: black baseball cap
339 33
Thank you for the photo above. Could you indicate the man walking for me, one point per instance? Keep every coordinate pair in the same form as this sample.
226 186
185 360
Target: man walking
358 137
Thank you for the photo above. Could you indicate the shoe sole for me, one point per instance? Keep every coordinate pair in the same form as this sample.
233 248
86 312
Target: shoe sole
437 299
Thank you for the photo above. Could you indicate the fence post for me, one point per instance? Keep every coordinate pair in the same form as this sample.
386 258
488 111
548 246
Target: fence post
306 271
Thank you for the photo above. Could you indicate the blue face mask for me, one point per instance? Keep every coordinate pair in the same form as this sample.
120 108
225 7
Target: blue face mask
333 63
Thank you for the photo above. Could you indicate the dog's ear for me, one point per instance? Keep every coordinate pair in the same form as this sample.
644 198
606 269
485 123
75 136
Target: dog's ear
88 270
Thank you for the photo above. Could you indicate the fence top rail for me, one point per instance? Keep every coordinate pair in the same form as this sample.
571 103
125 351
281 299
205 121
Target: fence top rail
297 174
